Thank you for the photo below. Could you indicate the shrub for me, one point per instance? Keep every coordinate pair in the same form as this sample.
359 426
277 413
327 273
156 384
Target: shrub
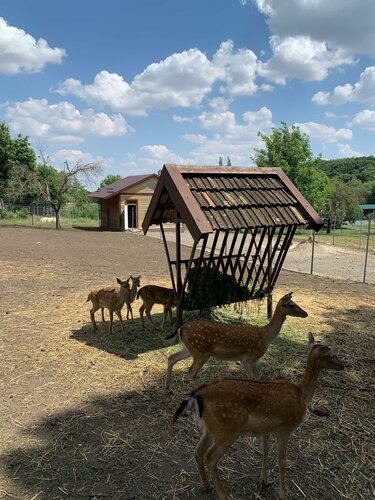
6 214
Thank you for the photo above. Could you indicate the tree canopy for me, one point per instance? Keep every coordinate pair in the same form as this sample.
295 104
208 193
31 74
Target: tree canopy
110 179
15 154
361 168
289 149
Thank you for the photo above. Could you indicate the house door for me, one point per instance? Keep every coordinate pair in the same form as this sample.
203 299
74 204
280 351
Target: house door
130 215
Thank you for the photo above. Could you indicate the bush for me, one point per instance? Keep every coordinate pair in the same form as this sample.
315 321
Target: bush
23 213
6 214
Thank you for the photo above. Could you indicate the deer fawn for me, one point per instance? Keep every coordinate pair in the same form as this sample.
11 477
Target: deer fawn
153 294
136 283
228 408
111 299
202 339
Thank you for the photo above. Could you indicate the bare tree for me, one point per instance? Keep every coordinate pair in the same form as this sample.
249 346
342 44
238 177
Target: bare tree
53 186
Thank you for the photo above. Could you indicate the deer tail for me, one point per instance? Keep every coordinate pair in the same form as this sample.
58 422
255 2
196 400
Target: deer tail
187 403
173 334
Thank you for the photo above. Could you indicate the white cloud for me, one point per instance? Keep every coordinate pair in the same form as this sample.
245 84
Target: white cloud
342 24
21 52
237 69
346 151
324 133
362 91
182 119
181 80
220 104
230 138
321 98
365 119
62 122
301 57
157 155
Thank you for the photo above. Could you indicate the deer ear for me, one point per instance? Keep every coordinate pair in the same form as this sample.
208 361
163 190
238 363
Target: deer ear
311 339
287 298
119 281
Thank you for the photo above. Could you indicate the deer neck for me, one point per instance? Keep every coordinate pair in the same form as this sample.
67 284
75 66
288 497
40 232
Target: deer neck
133 292
310 379
274 326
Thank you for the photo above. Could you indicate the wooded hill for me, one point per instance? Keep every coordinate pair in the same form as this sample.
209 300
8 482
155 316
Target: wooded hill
361 168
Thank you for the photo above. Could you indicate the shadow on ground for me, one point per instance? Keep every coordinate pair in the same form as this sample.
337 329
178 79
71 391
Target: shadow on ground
132 342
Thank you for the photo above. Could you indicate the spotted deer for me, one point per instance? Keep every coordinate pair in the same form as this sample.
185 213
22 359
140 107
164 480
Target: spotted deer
111 299
153 294
202 339
227 408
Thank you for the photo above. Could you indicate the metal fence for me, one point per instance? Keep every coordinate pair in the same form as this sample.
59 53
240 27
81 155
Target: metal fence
346 253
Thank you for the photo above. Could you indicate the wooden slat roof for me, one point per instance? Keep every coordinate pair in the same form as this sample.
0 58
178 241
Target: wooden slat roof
220 198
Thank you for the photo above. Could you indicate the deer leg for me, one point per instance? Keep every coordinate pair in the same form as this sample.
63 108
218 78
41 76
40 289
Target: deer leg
199 453
196 366
170 315
110 320
212 457
141 311
129 310
265 443
119 315
103 318
250 368
282 443
148 310
172 360
92 317
165 315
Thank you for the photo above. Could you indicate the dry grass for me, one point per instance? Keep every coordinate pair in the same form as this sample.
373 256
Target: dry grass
86 415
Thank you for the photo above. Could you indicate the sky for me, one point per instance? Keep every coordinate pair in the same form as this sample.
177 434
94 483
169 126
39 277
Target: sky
134 84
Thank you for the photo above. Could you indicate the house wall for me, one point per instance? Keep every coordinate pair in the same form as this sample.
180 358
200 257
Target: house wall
112 209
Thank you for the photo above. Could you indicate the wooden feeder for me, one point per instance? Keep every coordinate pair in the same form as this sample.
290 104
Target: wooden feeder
242 222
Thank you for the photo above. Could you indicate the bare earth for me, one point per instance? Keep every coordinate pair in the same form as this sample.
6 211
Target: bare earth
85 415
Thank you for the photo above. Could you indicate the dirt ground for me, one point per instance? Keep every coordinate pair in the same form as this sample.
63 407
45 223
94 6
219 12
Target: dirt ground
85 415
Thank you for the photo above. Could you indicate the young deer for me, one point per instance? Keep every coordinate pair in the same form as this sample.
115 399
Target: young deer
136 283
111 299
153 294
202 339
228 408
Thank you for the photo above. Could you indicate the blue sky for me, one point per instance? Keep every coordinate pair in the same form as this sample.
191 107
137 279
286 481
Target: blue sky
135 84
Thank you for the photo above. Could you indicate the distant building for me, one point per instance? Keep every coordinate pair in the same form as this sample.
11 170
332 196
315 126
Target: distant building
124 203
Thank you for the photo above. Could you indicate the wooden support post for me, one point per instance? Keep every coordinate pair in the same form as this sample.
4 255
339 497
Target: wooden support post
178 273
367 244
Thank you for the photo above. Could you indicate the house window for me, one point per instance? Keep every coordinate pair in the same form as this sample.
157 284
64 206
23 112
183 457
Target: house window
130 218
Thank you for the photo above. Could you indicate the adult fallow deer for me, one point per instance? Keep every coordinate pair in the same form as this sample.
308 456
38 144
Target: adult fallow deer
153 294
202 339
111 299
228 408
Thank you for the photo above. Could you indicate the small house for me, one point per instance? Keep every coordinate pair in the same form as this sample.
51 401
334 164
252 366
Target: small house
123 204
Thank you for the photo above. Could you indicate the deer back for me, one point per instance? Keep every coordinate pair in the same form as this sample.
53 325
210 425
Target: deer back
114 298
155 294
259 408
222 339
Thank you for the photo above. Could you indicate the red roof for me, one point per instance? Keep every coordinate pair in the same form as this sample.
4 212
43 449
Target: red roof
116 187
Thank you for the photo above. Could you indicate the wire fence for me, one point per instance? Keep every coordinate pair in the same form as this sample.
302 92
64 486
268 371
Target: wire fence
346 253
44 216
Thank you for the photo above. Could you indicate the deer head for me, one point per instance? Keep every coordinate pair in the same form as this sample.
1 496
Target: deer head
136 280
290 308
124 284
324 358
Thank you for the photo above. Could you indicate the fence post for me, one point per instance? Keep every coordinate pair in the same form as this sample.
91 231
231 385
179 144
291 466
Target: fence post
32 216
367 244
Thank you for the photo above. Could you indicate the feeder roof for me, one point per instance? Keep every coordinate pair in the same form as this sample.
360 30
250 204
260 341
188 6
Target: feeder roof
208 199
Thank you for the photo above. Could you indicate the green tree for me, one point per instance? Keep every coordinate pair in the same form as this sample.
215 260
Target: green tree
16 157
290 149
220 161
110 179
229 163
